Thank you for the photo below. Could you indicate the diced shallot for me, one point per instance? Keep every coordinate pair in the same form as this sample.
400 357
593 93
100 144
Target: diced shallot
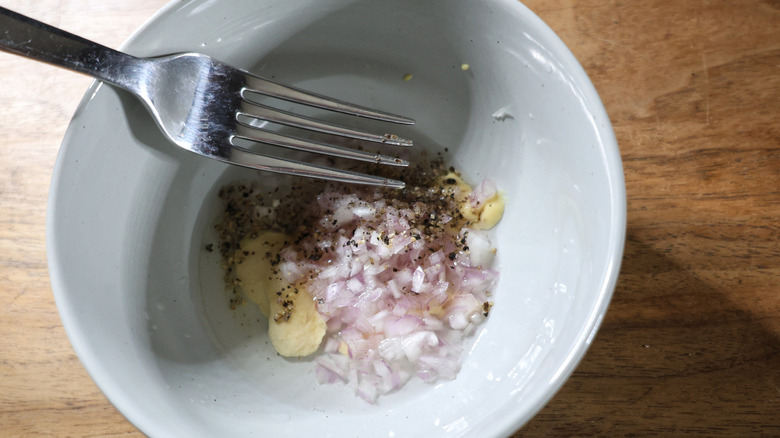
397 302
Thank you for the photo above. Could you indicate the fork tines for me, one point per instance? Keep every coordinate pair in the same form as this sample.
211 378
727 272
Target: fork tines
254 115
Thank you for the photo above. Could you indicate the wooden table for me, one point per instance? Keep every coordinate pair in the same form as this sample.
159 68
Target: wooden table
691 343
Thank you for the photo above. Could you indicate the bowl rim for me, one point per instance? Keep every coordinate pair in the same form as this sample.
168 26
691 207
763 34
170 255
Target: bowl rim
65 307
617 229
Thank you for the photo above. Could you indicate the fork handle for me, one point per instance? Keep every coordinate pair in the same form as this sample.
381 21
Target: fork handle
22 35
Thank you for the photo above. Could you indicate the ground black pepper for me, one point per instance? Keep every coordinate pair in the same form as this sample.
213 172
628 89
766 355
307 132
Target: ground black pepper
250 209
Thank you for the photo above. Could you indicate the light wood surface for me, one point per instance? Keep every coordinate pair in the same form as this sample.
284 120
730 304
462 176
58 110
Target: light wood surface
691 343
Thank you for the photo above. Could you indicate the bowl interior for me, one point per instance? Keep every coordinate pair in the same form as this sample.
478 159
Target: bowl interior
130 215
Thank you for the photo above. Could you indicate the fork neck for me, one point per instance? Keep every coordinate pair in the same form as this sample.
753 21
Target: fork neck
33 39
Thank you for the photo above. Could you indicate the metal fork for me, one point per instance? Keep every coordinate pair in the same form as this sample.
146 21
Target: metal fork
208 107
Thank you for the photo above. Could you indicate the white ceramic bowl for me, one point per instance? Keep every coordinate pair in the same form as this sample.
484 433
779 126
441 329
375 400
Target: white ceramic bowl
129 216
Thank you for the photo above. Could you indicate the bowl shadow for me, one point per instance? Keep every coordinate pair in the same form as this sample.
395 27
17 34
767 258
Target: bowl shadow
670 341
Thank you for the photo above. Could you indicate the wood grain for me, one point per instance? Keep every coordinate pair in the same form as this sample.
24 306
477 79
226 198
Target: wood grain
691 343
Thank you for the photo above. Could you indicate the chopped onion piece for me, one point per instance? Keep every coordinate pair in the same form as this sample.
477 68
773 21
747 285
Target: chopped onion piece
403 301
398 276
